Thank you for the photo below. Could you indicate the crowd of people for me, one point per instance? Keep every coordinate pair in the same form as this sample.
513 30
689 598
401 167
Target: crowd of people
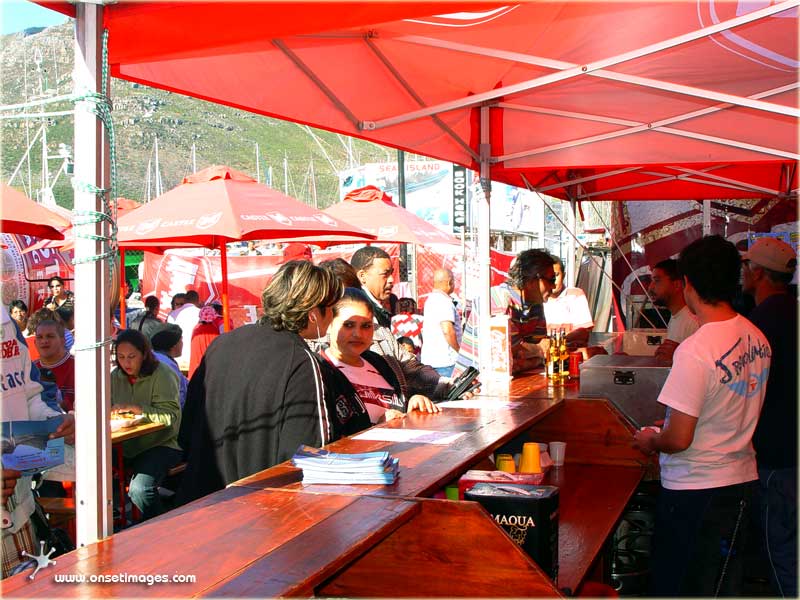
332 355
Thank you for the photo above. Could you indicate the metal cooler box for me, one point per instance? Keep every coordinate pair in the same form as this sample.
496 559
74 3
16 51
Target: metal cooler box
631 383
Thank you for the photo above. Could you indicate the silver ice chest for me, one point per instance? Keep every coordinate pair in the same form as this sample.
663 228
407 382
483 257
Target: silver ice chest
631 383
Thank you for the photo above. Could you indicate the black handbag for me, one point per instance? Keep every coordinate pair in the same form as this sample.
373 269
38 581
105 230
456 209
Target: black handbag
53 537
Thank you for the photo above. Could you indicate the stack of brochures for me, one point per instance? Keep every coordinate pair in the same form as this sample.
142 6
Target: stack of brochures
322 466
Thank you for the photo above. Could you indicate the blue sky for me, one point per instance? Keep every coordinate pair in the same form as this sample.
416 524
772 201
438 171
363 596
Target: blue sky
16 15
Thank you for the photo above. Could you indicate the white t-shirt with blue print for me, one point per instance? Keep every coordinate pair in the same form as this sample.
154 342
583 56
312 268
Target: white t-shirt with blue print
719 375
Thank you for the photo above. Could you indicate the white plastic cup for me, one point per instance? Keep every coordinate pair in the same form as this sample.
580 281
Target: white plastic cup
557 451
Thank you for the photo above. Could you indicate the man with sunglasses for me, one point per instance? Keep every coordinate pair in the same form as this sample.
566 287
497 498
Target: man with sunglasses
530 283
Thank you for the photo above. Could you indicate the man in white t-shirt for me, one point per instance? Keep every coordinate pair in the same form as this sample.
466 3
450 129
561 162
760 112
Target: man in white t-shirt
666 289
713 394
568 308
441 327
187 317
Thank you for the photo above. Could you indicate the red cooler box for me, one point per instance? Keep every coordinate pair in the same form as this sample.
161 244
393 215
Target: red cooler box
529 514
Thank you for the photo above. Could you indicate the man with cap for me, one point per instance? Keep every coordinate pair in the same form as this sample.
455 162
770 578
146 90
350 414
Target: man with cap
167 345
713 397
768 268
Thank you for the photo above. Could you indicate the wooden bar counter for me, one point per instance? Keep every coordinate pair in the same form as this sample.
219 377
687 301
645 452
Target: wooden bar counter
271 535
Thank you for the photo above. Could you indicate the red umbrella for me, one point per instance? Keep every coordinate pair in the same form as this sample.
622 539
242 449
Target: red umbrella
219 205
68 242
373 210
22 215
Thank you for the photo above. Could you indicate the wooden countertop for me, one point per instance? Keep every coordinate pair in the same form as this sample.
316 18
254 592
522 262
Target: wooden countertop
271 542
424 468
270 535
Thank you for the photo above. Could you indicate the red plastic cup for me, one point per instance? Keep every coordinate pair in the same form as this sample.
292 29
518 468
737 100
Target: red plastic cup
575 359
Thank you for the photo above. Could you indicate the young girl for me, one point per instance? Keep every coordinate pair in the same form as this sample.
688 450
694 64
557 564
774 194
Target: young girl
357 372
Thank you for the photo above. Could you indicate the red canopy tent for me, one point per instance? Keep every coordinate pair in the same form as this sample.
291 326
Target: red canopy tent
219 205
583 100
587 100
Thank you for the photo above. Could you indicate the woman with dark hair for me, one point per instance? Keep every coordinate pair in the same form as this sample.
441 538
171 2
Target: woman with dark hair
142 385
19 312
344 272
59 294
367 378
258 393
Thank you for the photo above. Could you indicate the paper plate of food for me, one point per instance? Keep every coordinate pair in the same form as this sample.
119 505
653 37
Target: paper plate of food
121 420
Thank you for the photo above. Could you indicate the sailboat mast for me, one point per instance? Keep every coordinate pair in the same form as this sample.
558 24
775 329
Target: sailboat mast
149 195
285 174
258 165
194 158
313 185
159 190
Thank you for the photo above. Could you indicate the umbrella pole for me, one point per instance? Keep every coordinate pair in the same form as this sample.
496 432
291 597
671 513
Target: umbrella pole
123 317
223 255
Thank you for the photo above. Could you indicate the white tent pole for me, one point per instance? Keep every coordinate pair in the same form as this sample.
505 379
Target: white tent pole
579 70
92 309
484 249
569 275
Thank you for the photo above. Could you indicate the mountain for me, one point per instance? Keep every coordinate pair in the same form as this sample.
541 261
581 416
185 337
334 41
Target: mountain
37 64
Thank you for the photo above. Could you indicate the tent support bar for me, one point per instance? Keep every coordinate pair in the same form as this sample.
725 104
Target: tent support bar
560 65
554 186
691 179
637 127
740 184
318 82
411 92
523 86
484 245
662 179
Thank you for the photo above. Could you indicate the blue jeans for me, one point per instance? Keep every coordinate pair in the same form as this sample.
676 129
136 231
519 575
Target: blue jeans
150 468
777 511
699 541
444 371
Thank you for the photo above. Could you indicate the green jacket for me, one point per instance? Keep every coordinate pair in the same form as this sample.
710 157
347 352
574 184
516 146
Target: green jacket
157 395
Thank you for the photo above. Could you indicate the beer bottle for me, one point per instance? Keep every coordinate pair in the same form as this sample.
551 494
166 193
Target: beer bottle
563 354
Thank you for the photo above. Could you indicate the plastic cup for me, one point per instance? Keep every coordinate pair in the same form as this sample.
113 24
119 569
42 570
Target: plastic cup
557 451
505 462
531 459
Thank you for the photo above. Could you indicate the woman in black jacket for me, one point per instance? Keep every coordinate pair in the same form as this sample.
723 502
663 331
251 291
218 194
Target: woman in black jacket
258 394
359 375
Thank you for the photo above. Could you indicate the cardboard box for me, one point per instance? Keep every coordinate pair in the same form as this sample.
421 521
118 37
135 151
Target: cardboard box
472 478
500 348
529 514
